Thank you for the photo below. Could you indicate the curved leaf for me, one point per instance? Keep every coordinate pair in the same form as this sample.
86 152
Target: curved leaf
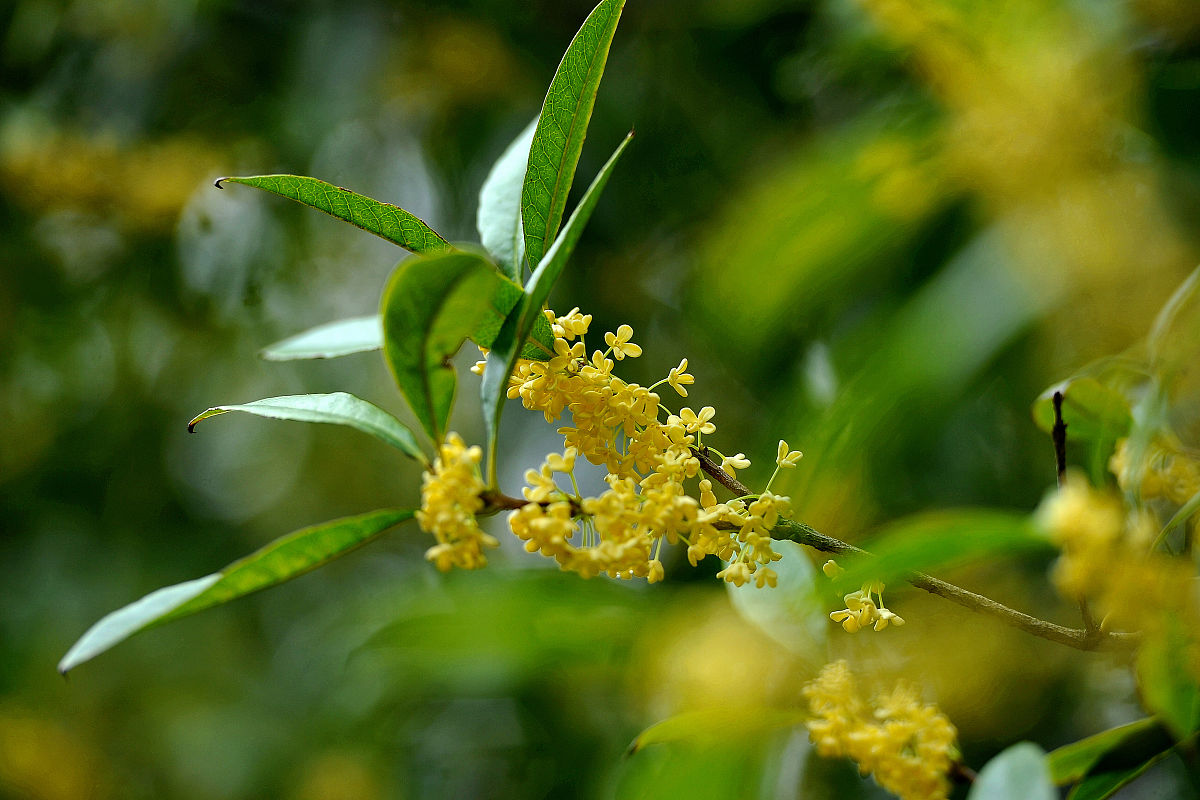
1165 678
333 339
1091 409
499 217
382 219
338 408
430 306
1107 761
1071 762
279 561
1018 773
716 725
524 318
562 126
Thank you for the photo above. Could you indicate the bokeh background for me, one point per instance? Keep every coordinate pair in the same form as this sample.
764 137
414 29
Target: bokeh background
876 228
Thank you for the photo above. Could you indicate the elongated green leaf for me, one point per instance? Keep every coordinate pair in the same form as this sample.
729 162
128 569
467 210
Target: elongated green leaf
1018 773
941 539
279 561
430 306
333 339
1071 762
523 319
499 217
382 219
1106 783
338 408
1165 678
562 126
1105 762
720 725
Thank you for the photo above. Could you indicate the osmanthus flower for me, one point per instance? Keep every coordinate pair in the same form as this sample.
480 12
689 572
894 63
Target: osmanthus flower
648 453
732 463
861 610
450 499
1164 470
1108 558
907 746
620 345
678 378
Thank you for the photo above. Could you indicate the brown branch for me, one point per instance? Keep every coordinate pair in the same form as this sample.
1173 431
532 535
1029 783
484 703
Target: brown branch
806 535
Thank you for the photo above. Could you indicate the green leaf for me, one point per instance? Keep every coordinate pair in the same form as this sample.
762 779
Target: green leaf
712 726
382 219
1091 409
279 561
361 334
787 613
338 408
1105 762
1165 678
562 126
1018 773
940 539
523 319
1071 762
333 339
430 306
499 218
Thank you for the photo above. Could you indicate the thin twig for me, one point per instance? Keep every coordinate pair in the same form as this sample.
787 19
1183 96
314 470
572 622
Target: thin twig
1058 434
806 535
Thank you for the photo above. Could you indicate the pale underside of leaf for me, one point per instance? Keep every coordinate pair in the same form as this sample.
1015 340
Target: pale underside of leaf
333 339
338 408
499 217
502 360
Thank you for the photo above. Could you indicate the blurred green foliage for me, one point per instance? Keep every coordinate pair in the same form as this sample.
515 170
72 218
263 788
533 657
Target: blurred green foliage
877 229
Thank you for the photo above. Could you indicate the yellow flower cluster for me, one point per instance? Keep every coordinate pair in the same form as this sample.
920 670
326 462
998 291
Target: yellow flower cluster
1106 557
862 611
449 502
1165 470
648 453
908 747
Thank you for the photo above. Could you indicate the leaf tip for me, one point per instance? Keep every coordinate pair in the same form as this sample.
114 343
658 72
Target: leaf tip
192 426
218 181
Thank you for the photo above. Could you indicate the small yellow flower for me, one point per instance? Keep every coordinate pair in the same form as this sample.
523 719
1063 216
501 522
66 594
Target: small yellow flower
731 463
620 344
908 747
698 423
564 463
679 376
449 502
571 325
785 458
